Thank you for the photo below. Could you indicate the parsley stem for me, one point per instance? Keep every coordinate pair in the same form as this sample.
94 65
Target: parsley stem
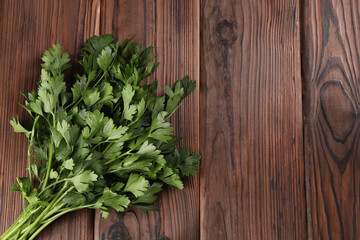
20 221
131 149
102 142
12 230
30 147
52 184
170 114
54 210
64 194
49 163
50 157
29 161
40 217
107 148
53 218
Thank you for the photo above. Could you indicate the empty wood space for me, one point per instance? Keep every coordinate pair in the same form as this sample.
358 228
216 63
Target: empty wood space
275 114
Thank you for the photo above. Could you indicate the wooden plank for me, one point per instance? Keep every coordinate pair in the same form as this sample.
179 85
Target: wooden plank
331 83
28 28
252 174
173 28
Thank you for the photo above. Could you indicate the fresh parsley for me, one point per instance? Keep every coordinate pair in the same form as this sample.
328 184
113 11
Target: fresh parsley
102 143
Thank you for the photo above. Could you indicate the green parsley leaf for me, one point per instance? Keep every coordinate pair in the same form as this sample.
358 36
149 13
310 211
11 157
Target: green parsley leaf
74 199
148 149
17 126
114 200
184 161
136 184
69 164
163 134
91 96
54 60
171 178
82 181
105 58
149 195
53 174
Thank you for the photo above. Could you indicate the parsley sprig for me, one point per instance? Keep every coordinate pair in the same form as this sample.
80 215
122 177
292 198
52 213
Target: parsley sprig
105 142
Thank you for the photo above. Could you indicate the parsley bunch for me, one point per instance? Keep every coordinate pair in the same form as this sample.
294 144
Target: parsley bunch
105 142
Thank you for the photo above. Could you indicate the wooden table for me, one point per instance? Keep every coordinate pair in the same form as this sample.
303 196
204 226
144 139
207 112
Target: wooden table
275 115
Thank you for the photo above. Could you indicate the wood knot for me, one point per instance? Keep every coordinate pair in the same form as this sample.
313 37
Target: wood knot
338 109
226 32
340 115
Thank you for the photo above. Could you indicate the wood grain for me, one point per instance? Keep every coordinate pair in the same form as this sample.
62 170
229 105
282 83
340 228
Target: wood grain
252 174
261 177
172 27
331 74
27 28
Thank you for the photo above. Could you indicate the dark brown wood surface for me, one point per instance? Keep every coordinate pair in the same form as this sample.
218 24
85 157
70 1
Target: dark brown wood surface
252 174
275 114
27 28
172 27
331 84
